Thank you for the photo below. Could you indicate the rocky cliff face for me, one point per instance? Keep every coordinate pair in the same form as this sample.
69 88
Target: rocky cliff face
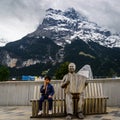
30 51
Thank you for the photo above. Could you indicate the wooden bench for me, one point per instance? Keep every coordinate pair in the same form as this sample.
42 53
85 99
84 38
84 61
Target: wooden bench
95 101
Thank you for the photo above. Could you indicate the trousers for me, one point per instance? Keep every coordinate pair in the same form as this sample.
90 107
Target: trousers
69 103
50 102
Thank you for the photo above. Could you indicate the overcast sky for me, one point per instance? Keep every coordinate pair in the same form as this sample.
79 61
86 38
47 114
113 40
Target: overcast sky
20 17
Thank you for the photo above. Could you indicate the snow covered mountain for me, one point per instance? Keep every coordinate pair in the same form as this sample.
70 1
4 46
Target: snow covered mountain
64 26
63 36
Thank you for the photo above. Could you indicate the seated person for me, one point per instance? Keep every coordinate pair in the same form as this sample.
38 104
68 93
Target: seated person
47 92
73 83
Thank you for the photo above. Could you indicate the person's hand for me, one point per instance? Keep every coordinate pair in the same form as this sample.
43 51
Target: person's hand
49 96
44 84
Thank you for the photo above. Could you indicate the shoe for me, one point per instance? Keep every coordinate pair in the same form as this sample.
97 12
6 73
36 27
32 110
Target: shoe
50 112
40 112
80 115
69 117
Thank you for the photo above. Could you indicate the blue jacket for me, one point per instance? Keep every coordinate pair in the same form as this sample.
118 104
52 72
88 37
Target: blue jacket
50 90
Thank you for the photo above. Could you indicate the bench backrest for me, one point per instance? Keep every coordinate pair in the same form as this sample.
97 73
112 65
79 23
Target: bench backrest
92 90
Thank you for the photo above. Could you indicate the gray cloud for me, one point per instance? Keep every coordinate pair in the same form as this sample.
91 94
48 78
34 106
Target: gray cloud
20 17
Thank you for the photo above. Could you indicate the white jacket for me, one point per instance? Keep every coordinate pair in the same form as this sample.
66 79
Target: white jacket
73 83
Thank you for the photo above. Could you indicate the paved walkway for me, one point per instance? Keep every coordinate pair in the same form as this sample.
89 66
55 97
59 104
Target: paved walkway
24 113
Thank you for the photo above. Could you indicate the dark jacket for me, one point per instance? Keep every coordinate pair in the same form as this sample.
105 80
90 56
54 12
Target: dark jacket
50 90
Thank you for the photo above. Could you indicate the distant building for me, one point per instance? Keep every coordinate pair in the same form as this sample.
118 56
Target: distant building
28 78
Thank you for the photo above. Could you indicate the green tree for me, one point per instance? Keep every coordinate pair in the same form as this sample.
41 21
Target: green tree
4 73
112 73
62 70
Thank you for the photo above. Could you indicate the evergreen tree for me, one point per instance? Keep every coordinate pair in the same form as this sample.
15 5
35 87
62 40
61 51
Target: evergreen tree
62 70
4 73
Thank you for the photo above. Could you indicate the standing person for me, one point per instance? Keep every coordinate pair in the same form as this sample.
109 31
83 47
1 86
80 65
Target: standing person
47 92
74 83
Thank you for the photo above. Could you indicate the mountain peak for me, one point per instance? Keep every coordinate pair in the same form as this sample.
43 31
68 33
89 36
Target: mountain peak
72 13
52 11
64 26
